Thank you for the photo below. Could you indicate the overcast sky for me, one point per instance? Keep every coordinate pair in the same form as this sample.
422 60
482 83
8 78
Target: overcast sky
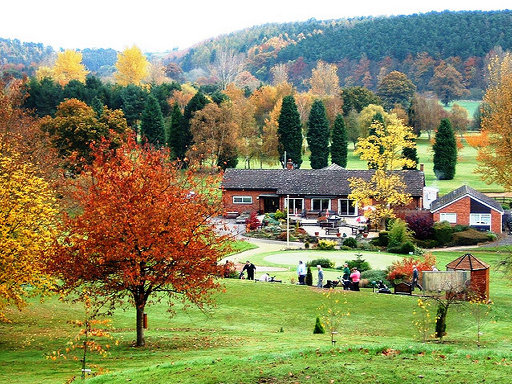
158 25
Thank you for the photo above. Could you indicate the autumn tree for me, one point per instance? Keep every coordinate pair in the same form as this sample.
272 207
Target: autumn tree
324 80
226 66
495 159
356 98
215 133
459 119
318 136
425 115
386 188
445 151
27 230
279 74
76 126
68 66
447 83
289 133
339 143
269 137
132 67
353 127
396 88
144 230
152 122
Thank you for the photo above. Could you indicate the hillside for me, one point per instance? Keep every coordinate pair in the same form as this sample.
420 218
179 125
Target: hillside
364 48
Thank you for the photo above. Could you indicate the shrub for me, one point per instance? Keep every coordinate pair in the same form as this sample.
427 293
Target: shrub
375 275
345 248
401 270
383 239
350 242
319 328
431 243
306 245
459 228
309 277
252 222
325 263
404 249
421 226
398 234
470 237
326 244
443 232
367 246
279 215
359 263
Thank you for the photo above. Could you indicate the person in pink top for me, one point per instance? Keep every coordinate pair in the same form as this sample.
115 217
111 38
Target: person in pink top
355 276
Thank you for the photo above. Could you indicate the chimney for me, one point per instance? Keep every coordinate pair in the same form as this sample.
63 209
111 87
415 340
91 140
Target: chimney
289 164
422 167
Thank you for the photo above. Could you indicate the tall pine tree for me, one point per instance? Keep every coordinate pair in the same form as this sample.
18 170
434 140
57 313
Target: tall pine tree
175 138
412 154
339 144
318 135
445 151
289 132
152 122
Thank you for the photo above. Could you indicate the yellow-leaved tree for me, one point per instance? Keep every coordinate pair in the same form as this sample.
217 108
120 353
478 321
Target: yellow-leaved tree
386 189
495 158
27 218
68 66
132 67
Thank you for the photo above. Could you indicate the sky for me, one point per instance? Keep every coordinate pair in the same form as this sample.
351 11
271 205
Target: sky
159 25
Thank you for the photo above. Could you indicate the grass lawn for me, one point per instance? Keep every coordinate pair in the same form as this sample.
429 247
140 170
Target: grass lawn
262 333
470 105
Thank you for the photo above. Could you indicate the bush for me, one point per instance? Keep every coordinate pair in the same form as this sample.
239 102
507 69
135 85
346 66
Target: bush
421 225
383 239
252 222
368 246
279 215
459 228
345 248
326 244
470 237
375 275
431 243
359 263
319 328
401 270
398 234
350 242
443 232
309 277
325 263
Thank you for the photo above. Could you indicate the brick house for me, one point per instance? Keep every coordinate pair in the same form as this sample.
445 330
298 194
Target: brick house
467 206
309 190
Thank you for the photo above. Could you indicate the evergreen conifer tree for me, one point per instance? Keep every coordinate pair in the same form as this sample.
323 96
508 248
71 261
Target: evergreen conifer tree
289 132
318 135
175 138
445 151
411 153
196 103
319 328
339 145
152 122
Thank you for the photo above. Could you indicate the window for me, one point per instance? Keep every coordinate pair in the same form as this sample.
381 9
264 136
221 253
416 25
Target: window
296 205
449 217
346 207
320 204
480 219
242 199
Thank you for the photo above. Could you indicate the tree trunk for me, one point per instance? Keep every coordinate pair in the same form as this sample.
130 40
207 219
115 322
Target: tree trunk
140 322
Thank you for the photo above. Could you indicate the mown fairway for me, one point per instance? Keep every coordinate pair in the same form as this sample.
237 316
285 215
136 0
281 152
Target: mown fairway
262 333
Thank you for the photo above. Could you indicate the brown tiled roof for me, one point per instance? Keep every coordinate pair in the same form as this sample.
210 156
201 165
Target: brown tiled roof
461 192
467 262
316 182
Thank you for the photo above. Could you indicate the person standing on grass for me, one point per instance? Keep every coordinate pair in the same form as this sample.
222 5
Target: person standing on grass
301 272
355 276
320 276
346 272
250 268
415 276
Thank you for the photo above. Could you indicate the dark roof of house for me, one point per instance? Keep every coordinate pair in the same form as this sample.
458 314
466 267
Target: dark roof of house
462 192
321 182
467 262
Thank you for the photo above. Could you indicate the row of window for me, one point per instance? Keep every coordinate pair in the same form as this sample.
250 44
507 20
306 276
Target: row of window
345 206
474 218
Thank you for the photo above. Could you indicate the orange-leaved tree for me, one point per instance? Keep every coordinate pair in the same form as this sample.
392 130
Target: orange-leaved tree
144 227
